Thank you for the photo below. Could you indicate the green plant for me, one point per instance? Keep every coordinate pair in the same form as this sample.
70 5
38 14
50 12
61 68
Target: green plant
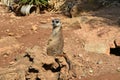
34 2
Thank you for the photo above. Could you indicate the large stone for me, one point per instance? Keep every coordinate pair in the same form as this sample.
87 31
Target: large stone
97 47
117 41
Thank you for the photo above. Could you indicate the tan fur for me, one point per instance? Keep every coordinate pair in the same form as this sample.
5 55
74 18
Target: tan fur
55 42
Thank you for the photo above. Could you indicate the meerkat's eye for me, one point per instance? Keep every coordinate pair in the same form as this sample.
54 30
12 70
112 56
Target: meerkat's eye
57 21
52 21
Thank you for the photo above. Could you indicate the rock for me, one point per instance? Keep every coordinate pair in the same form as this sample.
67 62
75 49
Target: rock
34 28
112 44
117 41
6 54
14 17
36 65
91 71
7 30
45 65
11 34
11 63
97 47
99 62
43 22
118 69
12 74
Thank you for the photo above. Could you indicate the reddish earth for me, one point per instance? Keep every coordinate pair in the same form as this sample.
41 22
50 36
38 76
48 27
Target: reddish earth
35 30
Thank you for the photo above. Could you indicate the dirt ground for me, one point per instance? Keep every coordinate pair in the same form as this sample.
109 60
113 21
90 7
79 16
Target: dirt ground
34 30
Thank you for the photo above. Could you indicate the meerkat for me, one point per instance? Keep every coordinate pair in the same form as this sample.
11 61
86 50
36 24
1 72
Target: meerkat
56 42
74 11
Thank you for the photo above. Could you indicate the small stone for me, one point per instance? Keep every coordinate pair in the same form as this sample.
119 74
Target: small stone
91 71
117 41
7 30
118 69
80 55
11 34
11 63
5 54
43 22
18 17
34 28
99 62
12 16
79 77
55 65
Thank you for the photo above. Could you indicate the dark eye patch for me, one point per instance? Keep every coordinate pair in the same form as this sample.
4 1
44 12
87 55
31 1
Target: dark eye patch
52 21
57 21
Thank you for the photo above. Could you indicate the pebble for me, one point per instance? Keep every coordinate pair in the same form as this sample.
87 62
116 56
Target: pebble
7 30
34 28
91 71
118 69
80 55
11 34
12 16
15 17
99 62
11 63
43 22
5 55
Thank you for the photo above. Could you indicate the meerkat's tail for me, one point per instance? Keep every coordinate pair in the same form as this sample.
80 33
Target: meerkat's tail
68 61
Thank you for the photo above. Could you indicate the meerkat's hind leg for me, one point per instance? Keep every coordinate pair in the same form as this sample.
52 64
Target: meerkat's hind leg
68 61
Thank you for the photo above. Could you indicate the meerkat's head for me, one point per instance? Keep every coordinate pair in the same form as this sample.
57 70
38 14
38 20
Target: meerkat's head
56 23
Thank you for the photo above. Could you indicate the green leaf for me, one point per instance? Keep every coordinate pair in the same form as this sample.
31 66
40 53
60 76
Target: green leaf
44 2
31 2
37 2
23 1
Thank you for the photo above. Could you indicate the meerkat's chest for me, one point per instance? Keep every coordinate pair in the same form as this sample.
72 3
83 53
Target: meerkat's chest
58 38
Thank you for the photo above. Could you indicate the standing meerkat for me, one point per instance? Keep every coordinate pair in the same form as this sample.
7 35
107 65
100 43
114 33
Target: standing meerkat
56 42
